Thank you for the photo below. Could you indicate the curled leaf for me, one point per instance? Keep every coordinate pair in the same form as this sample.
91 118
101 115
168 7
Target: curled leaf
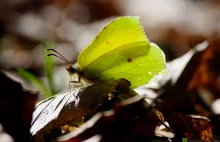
73 105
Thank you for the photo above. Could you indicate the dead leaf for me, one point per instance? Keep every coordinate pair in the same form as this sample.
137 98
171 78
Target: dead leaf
131 119
193 127
16 107
74 105
171 87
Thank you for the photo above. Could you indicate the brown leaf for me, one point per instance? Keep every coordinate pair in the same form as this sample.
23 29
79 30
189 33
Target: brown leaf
208 70
175 82
192 127
16 107
73 105
130 119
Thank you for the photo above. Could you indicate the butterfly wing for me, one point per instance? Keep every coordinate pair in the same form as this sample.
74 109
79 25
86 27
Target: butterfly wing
137 62
119 32
122 50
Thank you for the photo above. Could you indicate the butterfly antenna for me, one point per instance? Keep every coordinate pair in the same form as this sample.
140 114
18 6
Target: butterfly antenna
70 68
60 56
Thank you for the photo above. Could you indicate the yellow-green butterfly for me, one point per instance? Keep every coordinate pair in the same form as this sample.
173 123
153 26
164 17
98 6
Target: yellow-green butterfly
120 50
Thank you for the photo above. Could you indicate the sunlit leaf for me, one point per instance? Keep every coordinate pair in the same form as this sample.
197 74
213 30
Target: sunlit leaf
74 104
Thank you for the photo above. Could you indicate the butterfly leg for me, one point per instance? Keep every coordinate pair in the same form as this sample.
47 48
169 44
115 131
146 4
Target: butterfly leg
75 83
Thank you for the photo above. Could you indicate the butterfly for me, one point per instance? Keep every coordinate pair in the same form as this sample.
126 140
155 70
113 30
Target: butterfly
120 50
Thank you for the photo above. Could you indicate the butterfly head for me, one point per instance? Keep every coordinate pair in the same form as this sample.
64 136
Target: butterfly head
71 70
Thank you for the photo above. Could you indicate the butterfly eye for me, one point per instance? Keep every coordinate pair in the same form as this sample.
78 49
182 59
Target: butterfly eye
70 69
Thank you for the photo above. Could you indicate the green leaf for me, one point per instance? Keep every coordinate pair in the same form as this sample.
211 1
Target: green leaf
35 80
49 65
